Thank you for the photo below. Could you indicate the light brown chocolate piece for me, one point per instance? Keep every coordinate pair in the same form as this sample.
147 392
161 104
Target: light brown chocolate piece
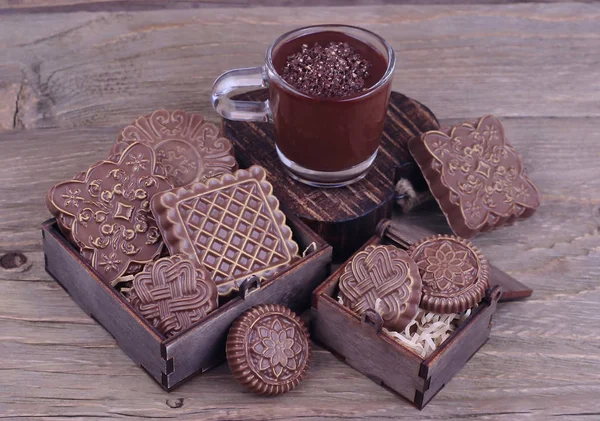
268 349
476 176
454 272
232 225
107 211
189 148
173 293
386 273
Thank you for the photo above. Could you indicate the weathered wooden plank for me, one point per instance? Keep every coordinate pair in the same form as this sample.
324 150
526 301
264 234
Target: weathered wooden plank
541 359
569 179
104 69
67 6
506 375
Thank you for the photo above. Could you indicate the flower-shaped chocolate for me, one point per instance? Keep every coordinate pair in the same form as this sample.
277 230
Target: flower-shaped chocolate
455 274
277 348
107 210
189 148
476 176
268 349
445 266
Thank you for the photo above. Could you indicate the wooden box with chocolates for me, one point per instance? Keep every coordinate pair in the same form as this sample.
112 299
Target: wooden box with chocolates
407 349
165 243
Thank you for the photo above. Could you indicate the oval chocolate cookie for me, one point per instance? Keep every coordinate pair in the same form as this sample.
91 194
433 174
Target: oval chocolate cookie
385 273
455 273
268 349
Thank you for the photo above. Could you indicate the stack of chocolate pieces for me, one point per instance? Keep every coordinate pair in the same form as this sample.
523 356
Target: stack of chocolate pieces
171 180
480 184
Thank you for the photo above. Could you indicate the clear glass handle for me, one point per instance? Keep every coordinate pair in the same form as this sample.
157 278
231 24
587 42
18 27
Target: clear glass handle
237 81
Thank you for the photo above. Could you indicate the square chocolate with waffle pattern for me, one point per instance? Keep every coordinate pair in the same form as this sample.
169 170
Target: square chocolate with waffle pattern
231 224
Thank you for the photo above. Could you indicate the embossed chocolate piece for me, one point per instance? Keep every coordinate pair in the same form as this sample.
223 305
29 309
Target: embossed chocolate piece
232 225
268 349
107 211
386 273
476 176
173 293
189 148
454 272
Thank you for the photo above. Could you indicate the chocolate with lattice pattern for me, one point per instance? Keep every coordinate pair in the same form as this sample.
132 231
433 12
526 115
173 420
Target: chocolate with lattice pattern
231 224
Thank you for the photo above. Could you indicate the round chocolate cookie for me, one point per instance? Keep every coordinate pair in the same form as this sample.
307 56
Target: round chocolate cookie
268 349
455 273
383 273
189 148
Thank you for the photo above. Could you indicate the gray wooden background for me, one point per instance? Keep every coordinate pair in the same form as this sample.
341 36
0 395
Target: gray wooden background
73 73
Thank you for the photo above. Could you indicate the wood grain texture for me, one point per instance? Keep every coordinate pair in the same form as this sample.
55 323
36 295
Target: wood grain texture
104 69
76 79
68 6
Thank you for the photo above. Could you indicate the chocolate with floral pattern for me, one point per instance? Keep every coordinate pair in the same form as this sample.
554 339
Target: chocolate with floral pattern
455 274
268 349
107 210
476 176
188 147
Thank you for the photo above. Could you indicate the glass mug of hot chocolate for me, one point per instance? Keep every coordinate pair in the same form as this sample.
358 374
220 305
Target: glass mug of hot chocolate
329 87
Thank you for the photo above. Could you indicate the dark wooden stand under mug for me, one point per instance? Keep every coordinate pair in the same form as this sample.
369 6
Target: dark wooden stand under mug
345 217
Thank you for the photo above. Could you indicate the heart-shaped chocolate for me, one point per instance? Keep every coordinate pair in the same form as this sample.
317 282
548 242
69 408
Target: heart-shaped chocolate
385 273
173 293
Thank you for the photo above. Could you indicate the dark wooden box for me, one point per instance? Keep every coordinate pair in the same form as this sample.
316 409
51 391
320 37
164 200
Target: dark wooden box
173 360
361 343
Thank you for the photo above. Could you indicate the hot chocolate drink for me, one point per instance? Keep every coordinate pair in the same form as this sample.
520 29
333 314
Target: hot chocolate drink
325 131
331 71
329 87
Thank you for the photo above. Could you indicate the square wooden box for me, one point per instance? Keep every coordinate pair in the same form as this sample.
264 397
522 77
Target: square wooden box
170 361
361 343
